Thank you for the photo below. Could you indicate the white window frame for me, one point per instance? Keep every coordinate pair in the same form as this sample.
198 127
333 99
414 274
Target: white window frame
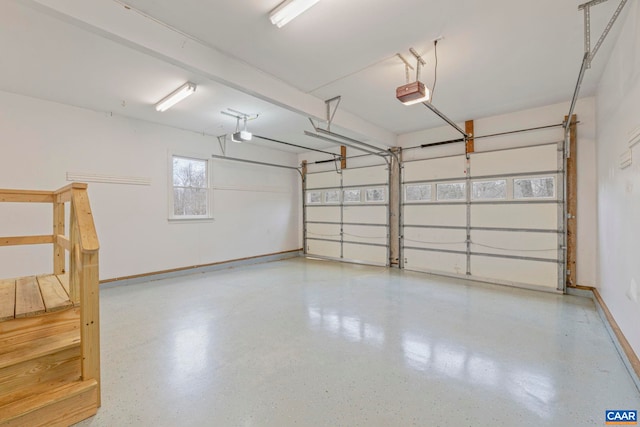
209 165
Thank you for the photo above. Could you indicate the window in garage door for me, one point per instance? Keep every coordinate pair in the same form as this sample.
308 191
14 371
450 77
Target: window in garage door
497 217
349 217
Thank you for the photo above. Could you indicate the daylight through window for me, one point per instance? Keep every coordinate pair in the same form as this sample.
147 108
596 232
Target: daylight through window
190 187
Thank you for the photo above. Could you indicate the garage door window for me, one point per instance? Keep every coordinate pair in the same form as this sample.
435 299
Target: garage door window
451 191
417 193
489 190
373 195
314 197
352 196
332 196
534 188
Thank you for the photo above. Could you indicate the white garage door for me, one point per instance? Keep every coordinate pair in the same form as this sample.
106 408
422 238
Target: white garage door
347 215
496 216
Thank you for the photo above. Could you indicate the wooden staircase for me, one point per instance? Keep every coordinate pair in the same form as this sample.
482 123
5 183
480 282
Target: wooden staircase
49 324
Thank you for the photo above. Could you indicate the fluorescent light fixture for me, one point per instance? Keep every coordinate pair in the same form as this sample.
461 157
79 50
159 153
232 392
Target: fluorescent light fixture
176 96
288 10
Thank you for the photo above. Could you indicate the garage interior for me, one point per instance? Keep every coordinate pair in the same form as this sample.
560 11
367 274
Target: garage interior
286 243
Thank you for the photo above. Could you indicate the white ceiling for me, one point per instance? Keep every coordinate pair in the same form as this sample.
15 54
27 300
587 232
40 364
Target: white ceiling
497 56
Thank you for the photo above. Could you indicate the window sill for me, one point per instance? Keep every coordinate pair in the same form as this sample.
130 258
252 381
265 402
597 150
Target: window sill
189 220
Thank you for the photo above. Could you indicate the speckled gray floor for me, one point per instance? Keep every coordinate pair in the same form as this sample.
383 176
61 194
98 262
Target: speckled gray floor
312 343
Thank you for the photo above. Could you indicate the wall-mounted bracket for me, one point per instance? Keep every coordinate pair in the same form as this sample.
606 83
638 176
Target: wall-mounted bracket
222 140
331 114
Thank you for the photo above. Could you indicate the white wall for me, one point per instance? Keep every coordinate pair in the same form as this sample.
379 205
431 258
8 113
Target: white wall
255 207
553 114
618 112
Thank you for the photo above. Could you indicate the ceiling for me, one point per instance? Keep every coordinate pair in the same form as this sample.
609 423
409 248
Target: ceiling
496 56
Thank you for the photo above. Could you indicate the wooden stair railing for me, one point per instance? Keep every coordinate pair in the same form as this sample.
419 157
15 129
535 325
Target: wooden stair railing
80 239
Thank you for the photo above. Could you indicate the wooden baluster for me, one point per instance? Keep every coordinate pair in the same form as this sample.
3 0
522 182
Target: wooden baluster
58 230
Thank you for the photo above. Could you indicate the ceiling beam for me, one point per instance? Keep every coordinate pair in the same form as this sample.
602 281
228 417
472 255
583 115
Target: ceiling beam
112 20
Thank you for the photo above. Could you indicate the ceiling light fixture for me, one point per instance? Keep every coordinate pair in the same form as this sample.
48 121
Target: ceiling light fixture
286 11
176 96
413 92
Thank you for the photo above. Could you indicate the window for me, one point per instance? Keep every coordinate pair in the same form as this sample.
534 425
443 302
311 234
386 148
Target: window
487 190
375 195
451 191
351 196
417 193
534 188
332 196
190 188
314 197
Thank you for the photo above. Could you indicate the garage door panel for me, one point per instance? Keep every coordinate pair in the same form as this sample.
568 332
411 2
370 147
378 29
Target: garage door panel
322 180
544 274
518 160
435 262
365 176
435 238
529 216
371 254
323 231
538 245
365 214
323 213
365 234
323 248
434 214
444 168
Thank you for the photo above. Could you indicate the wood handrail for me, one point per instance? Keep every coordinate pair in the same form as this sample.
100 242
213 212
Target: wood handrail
26 240
78 185
86 227
26 196
75 193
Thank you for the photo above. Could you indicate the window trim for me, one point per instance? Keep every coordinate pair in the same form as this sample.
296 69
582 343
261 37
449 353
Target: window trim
170 200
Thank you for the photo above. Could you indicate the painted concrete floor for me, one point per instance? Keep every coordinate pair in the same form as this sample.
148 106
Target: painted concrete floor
312 343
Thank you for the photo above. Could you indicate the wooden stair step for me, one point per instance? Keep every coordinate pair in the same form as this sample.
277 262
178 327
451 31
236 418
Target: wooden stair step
36 376
12 353
7 299
54 295
33 296
28 328
64 280
28 298
61 406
